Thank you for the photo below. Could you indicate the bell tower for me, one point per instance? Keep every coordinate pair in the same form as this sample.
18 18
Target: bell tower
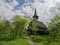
35 15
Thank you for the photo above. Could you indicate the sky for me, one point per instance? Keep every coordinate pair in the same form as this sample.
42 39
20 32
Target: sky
46 9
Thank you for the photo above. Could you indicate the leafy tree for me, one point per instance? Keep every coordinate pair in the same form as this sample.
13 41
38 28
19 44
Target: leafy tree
20 24
32 27
6 29
54 26
2 27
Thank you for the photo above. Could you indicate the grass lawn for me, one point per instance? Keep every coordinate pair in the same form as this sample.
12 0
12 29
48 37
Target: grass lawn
45 40
51 43
39 40
18 41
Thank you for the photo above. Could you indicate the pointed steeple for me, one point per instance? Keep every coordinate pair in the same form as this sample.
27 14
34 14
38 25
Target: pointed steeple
35 15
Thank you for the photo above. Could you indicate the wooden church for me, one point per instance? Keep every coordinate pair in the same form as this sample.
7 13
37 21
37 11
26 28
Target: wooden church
42 28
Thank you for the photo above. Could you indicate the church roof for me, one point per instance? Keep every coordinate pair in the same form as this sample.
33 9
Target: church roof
40 24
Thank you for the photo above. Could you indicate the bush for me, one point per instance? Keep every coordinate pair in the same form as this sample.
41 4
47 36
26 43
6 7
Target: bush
37 39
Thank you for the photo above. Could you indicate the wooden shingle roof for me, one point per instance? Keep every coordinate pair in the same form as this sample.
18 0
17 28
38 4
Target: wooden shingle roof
40 24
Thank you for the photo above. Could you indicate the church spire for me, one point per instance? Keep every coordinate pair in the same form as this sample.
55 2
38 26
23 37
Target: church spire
35 15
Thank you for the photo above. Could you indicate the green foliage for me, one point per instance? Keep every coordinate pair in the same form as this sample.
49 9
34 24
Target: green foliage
12 29
37 38
32 26
6 29
20 24
46 40
54 26
17 41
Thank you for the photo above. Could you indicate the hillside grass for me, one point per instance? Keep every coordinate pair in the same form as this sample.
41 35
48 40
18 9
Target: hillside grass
18 41
39 40
46 40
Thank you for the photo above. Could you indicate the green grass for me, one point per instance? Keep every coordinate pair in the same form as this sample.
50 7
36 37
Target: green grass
39 40
18 41
46 40
45 43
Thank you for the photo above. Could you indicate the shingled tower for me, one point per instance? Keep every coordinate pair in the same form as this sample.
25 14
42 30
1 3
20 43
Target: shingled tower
35 15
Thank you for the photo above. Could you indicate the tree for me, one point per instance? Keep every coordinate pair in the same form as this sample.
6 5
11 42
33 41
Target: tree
54 26
5 28
32 27
20 24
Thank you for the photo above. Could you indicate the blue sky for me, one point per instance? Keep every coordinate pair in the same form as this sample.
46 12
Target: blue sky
45 8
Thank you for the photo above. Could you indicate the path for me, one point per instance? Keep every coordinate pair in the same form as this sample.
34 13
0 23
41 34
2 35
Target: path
30 41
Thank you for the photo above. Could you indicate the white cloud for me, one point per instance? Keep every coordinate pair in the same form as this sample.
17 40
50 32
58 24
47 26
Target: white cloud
26 9
6 8
13 3
42 9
